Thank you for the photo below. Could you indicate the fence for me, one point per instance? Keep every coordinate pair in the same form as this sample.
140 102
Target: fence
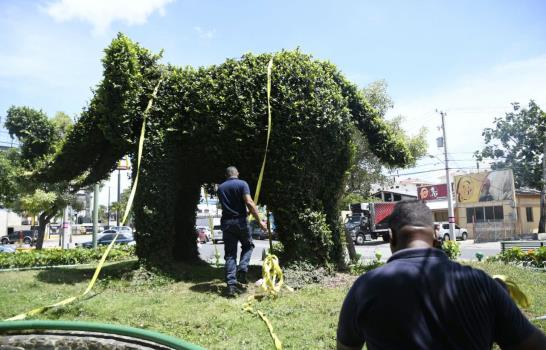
488 231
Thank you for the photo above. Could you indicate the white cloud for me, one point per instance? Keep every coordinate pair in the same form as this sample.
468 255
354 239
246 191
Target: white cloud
472 102
102 13
205 34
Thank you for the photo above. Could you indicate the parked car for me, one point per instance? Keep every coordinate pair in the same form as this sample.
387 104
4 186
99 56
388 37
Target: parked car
27 236
460 233
122 229
206 231
257 233
6 249
217 234
201 235
54 229
107 236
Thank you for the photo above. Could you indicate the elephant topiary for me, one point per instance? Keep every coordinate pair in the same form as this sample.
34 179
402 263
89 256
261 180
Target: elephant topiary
208 118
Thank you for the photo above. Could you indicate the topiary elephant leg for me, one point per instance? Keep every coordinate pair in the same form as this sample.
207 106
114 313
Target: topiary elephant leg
337 252
309 238
155 203
154 221
185 240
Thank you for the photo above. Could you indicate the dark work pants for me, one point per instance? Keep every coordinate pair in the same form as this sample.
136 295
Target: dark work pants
234 231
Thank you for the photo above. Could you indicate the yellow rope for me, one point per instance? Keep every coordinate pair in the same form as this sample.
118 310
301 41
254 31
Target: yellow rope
272 276
515 291
125 215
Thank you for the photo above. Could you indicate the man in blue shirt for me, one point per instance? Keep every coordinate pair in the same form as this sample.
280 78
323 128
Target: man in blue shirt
234 195
422 300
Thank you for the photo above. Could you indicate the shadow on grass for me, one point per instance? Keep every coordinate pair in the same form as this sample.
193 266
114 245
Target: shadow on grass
205 277
218 286
66 275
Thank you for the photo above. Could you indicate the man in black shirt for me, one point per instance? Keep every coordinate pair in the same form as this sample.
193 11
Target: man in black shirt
234 195
422 300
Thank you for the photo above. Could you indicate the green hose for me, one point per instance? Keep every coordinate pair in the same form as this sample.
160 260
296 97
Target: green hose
104 328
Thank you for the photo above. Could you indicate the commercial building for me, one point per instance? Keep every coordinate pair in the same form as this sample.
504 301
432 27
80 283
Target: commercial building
491 209
8 219
401 190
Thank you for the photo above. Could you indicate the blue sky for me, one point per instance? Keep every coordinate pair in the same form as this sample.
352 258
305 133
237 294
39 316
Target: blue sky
469 58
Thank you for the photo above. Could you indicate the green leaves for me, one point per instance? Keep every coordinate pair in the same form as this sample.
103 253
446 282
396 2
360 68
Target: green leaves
517 142
54 257
37 202
452 249
8 178
208 118
33 130
516 256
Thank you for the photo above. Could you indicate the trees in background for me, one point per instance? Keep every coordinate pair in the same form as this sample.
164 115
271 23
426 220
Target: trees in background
517 141
368 168
39 138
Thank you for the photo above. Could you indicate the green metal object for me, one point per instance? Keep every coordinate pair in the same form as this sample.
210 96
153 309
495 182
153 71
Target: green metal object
136 333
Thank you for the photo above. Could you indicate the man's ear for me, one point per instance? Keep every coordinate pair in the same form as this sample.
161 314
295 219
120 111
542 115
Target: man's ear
392 239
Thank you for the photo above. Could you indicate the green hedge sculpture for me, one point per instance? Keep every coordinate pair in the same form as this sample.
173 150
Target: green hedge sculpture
205 119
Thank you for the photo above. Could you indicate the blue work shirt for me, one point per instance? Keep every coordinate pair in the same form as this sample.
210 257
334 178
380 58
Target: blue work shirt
422 300
230 194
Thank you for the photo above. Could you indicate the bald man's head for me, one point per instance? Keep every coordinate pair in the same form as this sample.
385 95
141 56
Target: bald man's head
411 225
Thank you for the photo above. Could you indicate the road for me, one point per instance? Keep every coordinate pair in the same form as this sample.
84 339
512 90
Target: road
367 251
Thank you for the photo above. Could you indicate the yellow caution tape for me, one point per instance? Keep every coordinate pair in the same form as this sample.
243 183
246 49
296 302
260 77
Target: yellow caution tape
248 307
515 291
125 215
272 275
260 178
276 340
271 271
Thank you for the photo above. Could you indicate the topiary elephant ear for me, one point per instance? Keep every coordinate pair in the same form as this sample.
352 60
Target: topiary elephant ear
206 119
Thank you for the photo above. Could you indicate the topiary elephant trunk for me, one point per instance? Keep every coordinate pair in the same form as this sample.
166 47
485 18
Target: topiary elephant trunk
206 119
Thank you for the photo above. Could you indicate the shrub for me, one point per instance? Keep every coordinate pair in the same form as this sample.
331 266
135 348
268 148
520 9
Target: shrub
221 112
53 257
516 256
361 267
452 249
299 274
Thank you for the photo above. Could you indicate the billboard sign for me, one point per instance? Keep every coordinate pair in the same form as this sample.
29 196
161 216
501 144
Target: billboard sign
432 192
485 187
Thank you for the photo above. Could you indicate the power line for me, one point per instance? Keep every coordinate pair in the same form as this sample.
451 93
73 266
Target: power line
433 170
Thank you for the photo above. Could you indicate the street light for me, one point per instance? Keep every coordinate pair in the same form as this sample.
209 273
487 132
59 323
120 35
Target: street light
123 164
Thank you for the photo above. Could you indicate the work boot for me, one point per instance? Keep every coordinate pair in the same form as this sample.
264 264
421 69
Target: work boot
241 277
233 291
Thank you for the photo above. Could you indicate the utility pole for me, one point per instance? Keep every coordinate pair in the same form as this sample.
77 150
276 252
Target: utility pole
119 195
450 214
542 222
65 229
95 214
108 209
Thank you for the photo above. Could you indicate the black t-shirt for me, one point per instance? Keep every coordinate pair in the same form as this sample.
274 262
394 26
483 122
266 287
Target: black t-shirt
422 300
230 194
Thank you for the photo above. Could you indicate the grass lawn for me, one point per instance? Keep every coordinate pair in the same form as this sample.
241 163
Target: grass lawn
190 305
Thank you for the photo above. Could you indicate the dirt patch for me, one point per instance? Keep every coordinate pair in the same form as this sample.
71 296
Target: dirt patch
339 280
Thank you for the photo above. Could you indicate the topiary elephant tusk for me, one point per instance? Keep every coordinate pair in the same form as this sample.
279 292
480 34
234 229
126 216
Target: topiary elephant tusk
205 119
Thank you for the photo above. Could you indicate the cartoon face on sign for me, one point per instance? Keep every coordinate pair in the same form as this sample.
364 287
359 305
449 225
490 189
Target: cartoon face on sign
464 190
423 194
